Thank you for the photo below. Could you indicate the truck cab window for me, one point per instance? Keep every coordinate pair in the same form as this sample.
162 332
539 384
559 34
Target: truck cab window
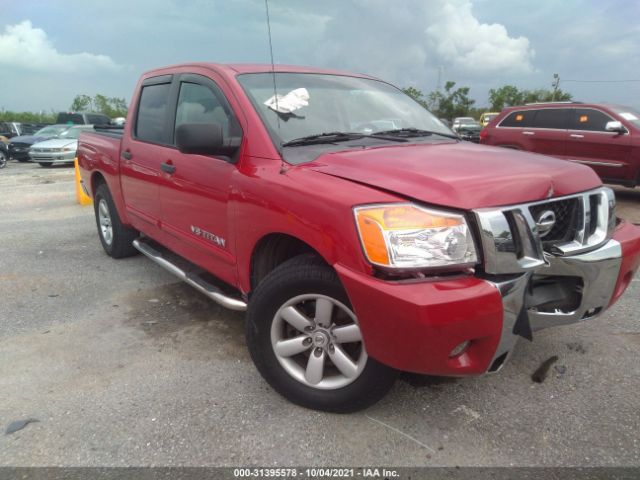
150 121
199 104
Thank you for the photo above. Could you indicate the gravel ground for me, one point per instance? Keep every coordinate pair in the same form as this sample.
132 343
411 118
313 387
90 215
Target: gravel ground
122 365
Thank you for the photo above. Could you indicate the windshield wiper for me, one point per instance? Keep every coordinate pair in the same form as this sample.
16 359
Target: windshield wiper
413 132
328 137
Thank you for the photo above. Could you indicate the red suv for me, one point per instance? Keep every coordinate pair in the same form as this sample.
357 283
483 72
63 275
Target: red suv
605 137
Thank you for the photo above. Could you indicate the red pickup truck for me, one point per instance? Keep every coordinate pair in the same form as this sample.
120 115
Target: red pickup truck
359 233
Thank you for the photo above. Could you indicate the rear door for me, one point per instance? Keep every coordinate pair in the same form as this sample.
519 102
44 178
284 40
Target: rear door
608 153
548 134
144 150
195 191
510 131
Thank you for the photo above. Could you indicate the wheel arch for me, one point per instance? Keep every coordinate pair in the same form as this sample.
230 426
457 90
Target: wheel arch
272 250
96 180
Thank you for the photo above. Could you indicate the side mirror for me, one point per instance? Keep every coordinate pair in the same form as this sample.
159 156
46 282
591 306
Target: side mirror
615 126
205 139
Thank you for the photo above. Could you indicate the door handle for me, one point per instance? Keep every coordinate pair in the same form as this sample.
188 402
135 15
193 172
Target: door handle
528 133
126 155
168 168
575 135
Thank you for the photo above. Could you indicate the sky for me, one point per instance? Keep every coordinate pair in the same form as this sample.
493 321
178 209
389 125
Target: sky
52 50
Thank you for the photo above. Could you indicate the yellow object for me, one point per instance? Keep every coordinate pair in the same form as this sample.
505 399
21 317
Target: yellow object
81 197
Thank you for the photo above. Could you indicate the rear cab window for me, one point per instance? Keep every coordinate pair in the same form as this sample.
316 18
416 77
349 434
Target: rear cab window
152 113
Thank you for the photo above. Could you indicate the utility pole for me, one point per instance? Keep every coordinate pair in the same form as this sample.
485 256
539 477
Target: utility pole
555 84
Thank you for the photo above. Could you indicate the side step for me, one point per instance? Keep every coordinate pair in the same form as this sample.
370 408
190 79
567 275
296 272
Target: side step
190 275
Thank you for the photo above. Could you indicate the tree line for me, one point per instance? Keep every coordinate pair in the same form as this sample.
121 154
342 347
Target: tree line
455 102
112 107
449 103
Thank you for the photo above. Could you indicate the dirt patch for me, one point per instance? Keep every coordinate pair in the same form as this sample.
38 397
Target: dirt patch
176 314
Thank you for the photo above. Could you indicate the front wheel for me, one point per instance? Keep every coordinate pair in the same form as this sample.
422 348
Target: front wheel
3 159
306 342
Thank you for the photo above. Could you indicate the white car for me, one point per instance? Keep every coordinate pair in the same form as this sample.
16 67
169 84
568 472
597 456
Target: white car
61 149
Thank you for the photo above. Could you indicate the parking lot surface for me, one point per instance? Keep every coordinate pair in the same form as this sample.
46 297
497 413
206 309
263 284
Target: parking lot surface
121 364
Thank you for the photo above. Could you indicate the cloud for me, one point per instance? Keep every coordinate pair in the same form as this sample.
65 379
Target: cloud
400 41
27 47
460 40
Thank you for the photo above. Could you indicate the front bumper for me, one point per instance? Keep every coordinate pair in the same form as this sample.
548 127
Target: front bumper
414 326
52 157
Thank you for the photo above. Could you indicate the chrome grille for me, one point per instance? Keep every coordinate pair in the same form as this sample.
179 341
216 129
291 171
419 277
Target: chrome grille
566 214
512 240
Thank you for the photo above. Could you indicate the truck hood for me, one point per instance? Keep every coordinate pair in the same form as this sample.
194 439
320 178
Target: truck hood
459 175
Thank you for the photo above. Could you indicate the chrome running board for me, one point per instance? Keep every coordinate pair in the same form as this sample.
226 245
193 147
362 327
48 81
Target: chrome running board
193 278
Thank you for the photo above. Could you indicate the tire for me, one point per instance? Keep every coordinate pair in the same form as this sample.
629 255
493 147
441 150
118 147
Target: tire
301 284
3 159
117 239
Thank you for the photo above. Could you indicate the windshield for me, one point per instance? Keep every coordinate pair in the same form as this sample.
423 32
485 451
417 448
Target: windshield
72 133
51 130
629 114
312 104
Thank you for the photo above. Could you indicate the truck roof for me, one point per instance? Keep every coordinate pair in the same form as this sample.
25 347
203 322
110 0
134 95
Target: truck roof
239 68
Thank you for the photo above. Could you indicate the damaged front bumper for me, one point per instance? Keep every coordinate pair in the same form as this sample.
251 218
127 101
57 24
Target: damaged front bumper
419 325
575 277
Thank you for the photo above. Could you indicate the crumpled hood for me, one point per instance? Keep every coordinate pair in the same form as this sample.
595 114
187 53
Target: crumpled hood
459 175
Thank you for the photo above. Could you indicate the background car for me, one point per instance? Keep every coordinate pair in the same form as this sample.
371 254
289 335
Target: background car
86 118
14 129
602 136
469 132
460 121
486 117
19 146
60 149
4 154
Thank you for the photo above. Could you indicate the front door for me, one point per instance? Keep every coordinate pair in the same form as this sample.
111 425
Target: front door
195 195
608 153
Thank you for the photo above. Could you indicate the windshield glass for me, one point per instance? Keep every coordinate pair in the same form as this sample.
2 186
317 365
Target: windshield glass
51 130
311 104
631 115
72 133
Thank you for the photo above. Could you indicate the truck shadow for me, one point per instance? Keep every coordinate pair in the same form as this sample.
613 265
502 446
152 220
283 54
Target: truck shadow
176 314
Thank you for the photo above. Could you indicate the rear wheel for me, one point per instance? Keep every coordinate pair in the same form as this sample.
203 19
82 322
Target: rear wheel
306 342
117 239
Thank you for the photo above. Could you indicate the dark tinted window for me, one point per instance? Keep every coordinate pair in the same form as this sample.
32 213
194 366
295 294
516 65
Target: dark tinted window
152 110
200 104
75 118
97 119
551 118
589 119
523 118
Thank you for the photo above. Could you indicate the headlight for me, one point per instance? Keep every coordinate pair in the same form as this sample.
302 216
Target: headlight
403 235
